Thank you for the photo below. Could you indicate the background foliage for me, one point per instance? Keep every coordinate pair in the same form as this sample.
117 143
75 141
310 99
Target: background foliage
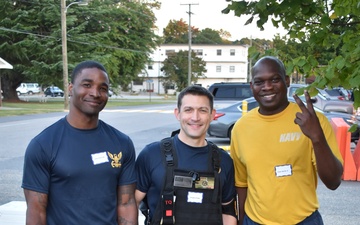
118 34
327 33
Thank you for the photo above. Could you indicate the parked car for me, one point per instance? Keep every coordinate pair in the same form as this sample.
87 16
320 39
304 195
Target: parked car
227 93
53 91
337 93
110 93
28 88
225 118
322 99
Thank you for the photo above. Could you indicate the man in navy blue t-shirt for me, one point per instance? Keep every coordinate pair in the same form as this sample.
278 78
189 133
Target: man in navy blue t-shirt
206 199
81 170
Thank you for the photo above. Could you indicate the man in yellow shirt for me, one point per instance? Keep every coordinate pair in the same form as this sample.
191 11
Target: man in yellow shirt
279 149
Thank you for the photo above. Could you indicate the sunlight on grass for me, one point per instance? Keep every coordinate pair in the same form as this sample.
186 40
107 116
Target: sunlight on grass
25 108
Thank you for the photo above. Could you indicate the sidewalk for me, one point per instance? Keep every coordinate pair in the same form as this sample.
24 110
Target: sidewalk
13 213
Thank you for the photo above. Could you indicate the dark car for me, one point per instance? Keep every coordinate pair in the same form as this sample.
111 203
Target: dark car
227 93
225 118
53 92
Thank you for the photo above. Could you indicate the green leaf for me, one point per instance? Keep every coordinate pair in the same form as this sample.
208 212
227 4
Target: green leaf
249 21
353 128
325 20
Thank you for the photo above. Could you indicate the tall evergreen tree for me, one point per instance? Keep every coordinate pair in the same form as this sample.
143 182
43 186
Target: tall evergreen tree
119 34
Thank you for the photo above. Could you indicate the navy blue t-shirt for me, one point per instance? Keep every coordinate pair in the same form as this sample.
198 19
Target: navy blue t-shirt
151 170
80 171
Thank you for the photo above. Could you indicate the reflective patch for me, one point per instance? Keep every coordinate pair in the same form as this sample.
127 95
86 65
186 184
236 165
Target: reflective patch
205 183
182 181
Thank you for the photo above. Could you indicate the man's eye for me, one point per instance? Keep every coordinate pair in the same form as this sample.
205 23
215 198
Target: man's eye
276 80
258 82
86 85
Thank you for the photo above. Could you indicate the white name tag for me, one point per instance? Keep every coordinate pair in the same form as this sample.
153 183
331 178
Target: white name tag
99 158
195 197
283 170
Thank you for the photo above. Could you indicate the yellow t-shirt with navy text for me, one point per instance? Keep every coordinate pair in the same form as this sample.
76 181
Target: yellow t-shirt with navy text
276 162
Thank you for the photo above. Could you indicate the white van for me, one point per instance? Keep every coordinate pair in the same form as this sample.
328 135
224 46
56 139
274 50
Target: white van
28 88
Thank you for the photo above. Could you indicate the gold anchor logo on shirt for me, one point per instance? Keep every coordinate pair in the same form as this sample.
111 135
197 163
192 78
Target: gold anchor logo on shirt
115 159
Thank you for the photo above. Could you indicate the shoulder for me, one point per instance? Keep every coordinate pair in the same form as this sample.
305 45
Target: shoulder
112 130
151 150
52 130
224 155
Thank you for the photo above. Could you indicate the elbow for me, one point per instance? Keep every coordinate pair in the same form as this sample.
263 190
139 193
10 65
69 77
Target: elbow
335 182
334 185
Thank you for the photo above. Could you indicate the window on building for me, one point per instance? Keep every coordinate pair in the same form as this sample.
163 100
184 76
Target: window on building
170 86
169 52
150 67
232 52
232 69
218 69
138 82
198 51
218 52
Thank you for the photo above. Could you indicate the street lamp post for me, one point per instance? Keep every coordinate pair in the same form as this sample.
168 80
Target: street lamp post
64 49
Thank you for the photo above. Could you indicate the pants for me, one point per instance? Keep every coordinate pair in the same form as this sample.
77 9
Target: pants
314 219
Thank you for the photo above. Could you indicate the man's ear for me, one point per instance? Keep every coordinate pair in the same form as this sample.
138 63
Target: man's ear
287 81
176 113
70 88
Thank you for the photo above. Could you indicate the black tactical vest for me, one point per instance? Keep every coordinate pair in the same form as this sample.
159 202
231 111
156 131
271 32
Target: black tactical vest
189 197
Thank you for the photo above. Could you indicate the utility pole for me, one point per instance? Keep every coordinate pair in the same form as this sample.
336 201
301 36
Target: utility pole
250 62
64 48
189 56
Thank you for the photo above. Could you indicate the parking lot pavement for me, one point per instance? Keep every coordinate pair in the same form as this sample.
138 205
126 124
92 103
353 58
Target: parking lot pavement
339 207
13 213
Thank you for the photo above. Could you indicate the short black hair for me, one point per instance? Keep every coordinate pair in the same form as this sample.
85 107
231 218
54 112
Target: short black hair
280 64
195 90
85 65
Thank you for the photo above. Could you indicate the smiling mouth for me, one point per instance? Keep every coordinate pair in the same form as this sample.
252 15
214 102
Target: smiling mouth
195 125
93 103
268 96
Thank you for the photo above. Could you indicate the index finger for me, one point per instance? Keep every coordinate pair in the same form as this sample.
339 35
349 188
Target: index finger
300 103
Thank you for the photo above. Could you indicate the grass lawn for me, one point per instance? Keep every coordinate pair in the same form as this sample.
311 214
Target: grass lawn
57 105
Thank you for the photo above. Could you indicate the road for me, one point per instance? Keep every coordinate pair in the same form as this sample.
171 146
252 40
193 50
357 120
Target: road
143 124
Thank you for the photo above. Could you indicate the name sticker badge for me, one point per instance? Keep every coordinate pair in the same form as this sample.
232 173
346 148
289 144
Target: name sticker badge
194 197
283 170
99 158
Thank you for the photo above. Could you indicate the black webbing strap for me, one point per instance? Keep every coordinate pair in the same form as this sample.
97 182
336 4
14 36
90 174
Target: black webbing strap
168 213
215 155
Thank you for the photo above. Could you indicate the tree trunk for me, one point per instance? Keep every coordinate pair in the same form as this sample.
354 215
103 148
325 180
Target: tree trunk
9 91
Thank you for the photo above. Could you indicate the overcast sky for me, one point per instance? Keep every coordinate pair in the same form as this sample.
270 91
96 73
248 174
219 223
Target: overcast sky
207 14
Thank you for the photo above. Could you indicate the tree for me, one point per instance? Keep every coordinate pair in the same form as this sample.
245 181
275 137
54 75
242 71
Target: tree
332 25
177 32
117 34
175 69
207 36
